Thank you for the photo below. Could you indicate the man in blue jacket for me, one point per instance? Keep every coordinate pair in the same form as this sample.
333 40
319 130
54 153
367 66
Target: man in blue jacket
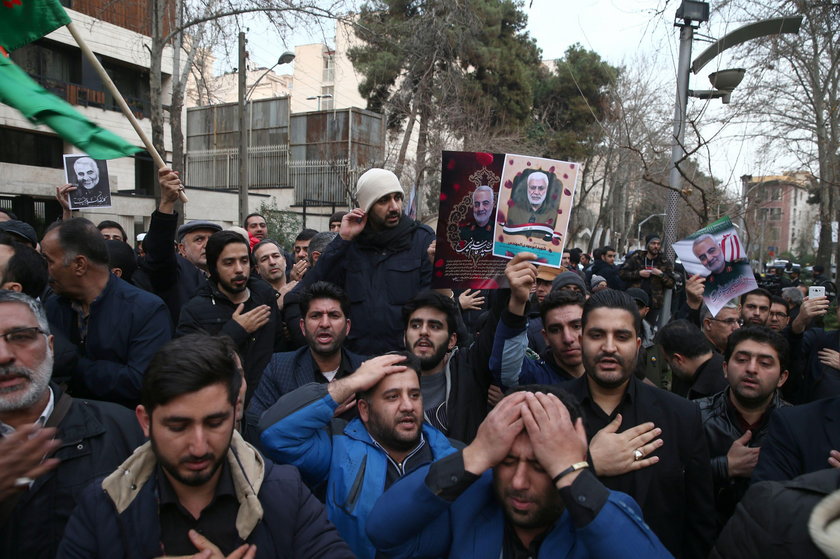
360 459
520 489
197 476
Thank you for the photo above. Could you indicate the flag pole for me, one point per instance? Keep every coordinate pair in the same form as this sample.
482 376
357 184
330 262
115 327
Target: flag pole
109 85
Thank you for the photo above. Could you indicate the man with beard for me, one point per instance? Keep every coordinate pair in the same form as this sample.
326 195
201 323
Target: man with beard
506 494
236 305
380 260
196 486
454 381
107 330
533 208
37 418
692 358
561 312
358 460
479 230
325 323
736 419
755 307
651 271
644 441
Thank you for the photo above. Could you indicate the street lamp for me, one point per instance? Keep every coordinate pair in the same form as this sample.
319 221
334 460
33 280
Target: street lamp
244 95
645 220
319 97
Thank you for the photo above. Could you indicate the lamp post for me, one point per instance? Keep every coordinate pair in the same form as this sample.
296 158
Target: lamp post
690 15
319 97
244 136
645 220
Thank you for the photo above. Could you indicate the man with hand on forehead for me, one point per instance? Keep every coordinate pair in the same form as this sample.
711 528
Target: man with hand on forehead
522 488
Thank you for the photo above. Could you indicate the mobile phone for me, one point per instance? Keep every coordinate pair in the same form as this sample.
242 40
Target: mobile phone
816 291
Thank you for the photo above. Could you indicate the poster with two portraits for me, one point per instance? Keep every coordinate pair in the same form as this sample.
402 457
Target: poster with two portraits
493 206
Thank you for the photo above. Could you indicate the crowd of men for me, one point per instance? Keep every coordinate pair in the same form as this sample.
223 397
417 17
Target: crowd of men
214 395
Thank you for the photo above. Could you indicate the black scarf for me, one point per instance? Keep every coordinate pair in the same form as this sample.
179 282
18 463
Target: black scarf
393 239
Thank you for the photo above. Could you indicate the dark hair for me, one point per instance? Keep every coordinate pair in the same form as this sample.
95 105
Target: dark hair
306 235
560 298
596 254
188 364
249 216
612 299
757 291
780 301
121 255
574 255
79 237
324 290
264 242
683 337
337 216
819 268
26 267
605 249
567 399
216 244
436 301
411 361
108 224
319 242
762 335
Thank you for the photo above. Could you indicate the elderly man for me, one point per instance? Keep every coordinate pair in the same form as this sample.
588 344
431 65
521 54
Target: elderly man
87 173
508 493
89 438
380 260
480 228
109 329
534 206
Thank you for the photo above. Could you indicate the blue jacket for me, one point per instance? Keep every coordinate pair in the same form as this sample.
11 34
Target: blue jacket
412 522
118 517
343 455
126 328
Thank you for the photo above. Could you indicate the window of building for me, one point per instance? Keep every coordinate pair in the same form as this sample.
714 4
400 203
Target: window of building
775 214
327 103
329 67
24 147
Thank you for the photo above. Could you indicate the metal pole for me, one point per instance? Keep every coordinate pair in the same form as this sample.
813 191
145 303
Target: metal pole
243 133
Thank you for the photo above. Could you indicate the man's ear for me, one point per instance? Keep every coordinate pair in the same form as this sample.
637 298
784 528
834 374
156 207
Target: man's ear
453 340
80 265
302 329
347 327
725 372
143 419
12 286
782 378
364 410
117 272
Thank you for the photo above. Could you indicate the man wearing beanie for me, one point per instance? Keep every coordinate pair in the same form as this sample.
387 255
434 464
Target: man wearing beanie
651 271
380 260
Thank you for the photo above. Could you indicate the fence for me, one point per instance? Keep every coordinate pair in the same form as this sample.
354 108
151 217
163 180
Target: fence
322 181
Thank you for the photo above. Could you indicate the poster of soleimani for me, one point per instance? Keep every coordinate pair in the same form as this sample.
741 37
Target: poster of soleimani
535 199
90 177
468 192
716 253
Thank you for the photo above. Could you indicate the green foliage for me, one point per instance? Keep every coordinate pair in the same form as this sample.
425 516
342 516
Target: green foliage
283 226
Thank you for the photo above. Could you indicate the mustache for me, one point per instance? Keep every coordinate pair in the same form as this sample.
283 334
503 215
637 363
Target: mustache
191 459
615 357
12 371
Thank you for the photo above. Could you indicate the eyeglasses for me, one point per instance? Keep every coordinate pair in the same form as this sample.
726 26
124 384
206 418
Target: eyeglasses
730 321
778 315
22 337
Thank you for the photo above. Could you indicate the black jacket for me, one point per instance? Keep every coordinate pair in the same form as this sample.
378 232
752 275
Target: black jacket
708 378
722 429
675 494
211 312
771 521
95 438
163 271
607 271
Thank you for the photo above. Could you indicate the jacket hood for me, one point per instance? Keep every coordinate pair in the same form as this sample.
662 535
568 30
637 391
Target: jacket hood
247 469
824 525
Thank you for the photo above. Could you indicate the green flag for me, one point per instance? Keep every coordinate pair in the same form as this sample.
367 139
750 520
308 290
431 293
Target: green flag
38 105
23 21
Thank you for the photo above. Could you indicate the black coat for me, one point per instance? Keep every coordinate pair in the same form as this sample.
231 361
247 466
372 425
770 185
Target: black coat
798 440
771 521
675 494
211 312
96 437
721 431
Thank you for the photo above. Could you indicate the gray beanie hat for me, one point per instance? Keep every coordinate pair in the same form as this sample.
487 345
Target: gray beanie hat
568 278
373 185
596 279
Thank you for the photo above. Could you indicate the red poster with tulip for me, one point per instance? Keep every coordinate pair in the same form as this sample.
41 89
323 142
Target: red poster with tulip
468 192
535 200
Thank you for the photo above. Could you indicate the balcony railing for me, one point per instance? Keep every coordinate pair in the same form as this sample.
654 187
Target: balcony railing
76 94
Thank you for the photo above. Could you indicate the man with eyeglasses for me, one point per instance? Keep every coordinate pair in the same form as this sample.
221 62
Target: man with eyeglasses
86 438
779 314
717 328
